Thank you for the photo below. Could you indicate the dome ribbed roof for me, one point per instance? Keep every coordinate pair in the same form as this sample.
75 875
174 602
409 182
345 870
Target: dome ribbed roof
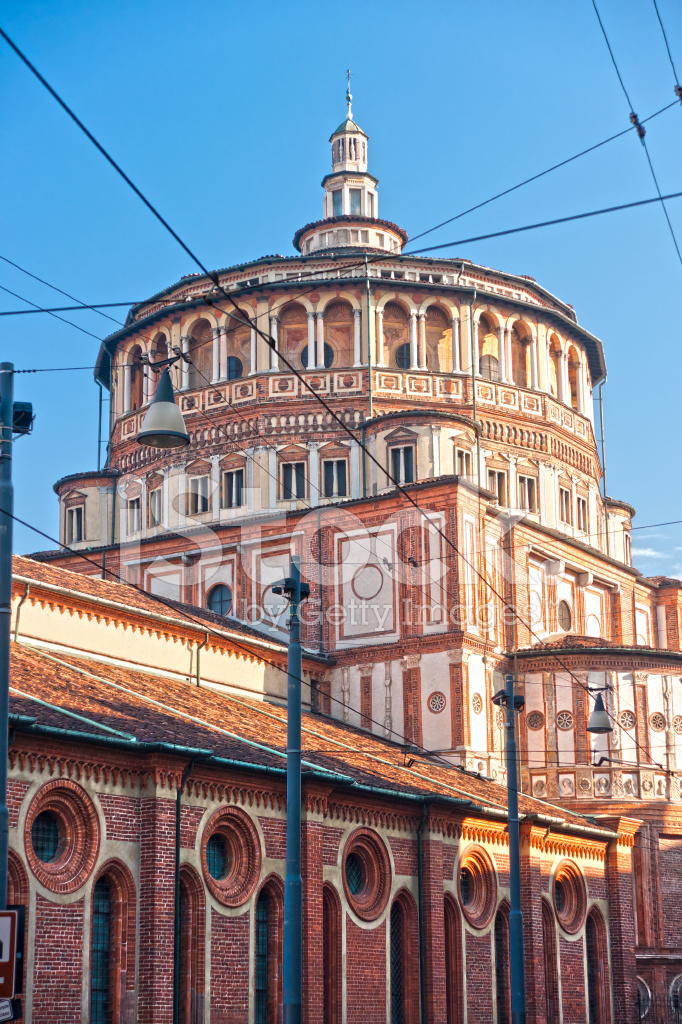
348 126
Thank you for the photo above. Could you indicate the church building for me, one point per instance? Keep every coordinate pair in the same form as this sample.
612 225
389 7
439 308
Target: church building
419 431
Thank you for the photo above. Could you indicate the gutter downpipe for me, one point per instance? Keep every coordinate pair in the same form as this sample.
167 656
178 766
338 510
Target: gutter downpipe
420 881
603 465
176 917
199 649
16 617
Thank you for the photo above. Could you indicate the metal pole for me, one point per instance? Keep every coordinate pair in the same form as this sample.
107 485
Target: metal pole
293 886
518 981
6 521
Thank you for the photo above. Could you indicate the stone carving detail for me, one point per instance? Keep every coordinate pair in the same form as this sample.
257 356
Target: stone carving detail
345 691
437 703
477 703
657 721
564 720
388 703
677 724
627 719
535 720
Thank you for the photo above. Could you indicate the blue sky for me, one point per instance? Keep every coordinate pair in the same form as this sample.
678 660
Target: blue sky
221 113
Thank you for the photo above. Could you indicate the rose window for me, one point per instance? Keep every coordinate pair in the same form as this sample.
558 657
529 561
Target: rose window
677 724
437 703
477 703
564 720
627 720
535 720
657 721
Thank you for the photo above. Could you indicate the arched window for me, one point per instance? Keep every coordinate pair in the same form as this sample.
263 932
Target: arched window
268 956
201 354
488 355
17 894
402 357
454 987
338 332
192 947
293 332
331 956
595 949
137 371
438 340
235 368
396 334
112 945
502 967
404 962
551 979
328 356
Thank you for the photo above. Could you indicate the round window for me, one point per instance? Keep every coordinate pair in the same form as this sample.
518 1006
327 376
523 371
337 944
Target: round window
570 897
366 873
402 356
564 614
45 836
230 856
328 356
477 887
219 599
235 368
217 856
61 836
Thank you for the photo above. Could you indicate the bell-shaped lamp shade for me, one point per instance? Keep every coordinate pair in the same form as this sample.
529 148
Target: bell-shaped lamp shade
163 425
599 721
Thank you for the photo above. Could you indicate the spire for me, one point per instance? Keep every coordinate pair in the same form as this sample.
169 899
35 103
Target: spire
349 98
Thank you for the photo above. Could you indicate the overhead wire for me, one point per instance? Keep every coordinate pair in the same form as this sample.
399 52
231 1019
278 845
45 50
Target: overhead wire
60 290
678 88
40 309
641 132
214 276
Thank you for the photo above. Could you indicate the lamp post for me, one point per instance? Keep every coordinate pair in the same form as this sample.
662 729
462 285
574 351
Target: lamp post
513 703
295 592
15 418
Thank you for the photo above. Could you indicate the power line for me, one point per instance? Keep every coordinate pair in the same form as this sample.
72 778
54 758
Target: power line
678 89
273 345
640 130
40 309
63 309
55 289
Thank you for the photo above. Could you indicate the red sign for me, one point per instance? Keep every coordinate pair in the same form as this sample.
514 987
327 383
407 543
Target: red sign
9 920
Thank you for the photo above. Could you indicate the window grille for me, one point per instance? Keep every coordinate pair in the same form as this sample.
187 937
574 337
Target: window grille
45 836
355 874
397 966
219 599
402 356
502 977
216 856
100 962
261 964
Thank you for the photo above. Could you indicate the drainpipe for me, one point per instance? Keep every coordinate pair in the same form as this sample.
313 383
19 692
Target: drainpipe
176 918
199 649
420 883
16 620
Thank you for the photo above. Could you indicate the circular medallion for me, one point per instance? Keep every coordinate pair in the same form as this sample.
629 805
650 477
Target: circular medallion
366 873
477 886
61 836
230 856
626 720
367 582
657 721
437 703
677 724
564 720
477 703
535 720
570 897
585 785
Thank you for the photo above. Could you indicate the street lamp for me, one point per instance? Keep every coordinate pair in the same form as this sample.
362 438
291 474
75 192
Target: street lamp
599 720
295 592
514 702
163 425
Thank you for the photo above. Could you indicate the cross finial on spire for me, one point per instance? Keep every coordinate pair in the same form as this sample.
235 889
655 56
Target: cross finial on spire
349 98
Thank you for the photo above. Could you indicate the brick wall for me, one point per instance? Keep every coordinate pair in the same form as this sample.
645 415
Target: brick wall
229 994
56 985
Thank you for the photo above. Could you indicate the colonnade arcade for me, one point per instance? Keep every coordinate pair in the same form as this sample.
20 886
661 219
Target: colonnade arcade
433 336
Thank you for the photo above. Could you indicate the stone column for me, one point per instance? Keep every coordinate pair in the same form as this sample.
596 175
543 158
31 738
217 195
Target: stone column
388 701
272 478
253 352
414 348
357 337
501 354
513 497
455 345
146 383
422 340
580 385
534 363
223 354
314 471
509 360
249 452
435 441
311 341
366 695
345 691
215 367
215 486
274 349
412 719
185 366
354 469
127 376
319 318
380 337
561 377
